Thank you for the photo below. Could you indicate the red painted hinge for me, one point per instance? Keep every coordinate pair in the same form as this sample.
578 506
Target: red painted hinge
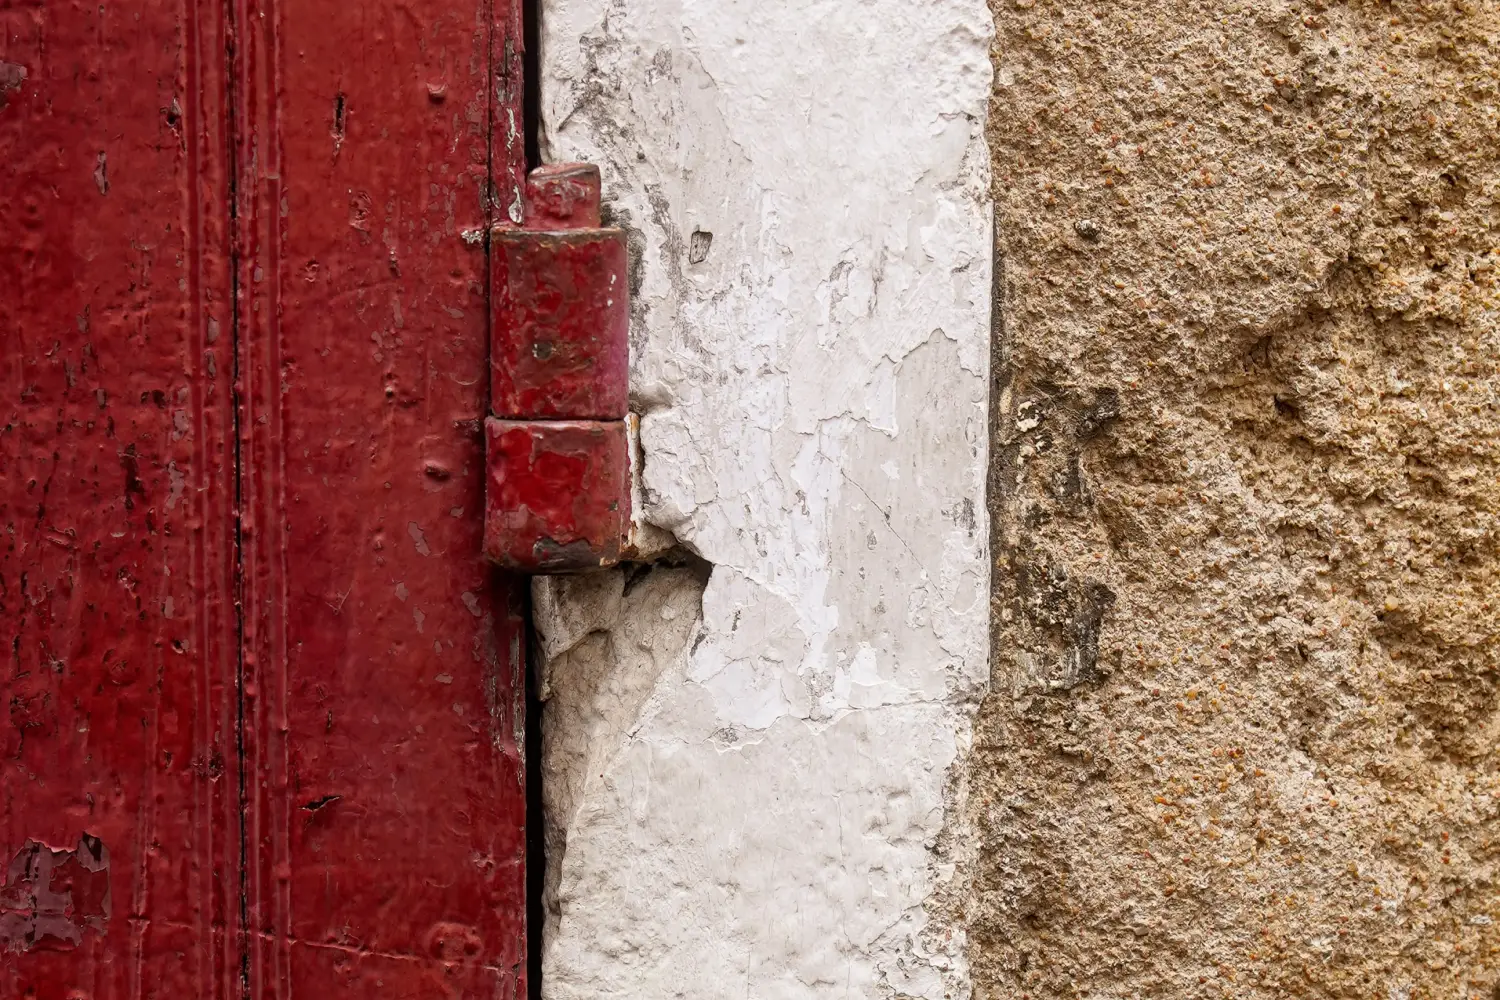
558 485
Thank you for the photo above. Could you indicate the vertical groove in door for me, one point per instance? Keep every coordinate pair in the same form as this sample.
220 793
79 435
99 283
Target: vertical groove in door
261 476
536 843
233 114
209 269
507 117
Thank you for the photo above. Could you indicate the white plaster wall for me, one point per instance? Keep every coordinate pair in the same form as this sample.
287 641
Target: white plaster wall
746 796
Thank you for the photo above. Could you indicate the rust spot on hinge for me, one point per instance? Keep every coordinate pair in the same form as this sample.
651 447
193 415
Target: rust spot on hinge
551 554
51 898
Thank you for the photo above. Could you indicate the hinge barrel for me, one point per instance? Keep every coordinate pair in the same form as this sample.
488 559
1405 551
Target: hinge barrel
558 482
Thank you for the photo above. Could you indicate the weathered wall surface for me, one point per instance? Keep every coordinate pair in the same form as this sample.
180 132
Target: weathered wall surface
1243 739
748 760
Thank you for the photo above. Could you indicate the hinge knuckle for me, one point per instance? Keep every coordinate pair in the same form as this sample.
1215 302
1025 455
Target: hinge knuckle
558 483
564 196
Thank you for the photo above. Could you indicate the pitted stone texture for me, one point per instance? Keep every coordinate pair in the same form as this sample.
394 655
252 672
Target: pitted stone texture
1243 736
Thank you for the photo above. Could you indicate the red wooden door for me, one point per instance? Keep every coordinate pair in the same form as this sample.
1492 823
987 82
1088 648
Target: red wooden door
263 697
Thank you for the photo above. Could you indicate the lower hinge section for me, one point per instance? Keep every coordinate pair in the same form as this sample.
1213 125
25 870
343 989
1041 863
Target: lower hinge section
558 494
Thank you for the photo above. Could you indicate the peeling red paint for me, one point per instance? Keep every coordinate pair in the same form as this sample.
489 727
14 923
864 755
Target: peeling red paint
12 75
564 196
51 898
116 507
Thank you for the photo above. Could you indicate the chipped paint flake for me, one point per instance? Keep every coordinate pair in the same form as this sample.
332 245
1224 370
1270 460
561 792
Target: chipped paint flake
52 898
12 76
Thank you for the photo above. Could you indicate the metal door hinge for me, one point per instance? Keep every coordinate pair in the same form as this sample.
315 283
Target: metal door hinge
557 489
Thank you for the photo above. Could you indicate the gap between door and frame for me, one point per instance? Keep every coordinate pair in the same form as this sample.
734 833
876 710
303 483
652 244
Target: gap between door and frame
536 848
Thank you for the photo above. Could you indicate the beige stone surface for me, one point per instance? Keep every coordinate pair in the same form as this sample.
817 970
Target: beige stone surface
1243 736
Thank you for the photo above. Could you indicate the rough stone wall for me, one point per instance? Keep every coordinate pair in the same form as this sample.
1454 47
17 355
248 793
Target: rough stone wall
1243 734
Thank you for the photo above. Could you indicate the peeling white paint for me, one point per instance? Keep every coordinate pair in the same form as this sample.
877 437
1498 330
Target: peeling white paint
805 184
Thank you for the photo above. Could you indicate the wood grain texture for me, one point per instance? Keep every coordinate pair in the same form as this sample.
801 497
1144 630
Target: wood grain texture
383 684
118 798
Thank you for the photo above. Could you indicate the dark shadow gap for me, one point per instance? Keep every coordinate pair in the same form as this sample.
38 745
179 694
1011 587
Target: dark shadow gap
234 114
536 847
531 83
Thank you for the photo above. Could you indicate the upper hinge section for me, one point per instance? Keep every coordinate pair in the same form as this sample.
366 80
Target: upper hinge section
558 452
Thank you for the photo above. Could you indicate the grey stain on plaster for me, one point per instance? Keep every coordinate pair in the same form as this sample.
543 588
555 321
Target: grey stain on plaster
699 245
